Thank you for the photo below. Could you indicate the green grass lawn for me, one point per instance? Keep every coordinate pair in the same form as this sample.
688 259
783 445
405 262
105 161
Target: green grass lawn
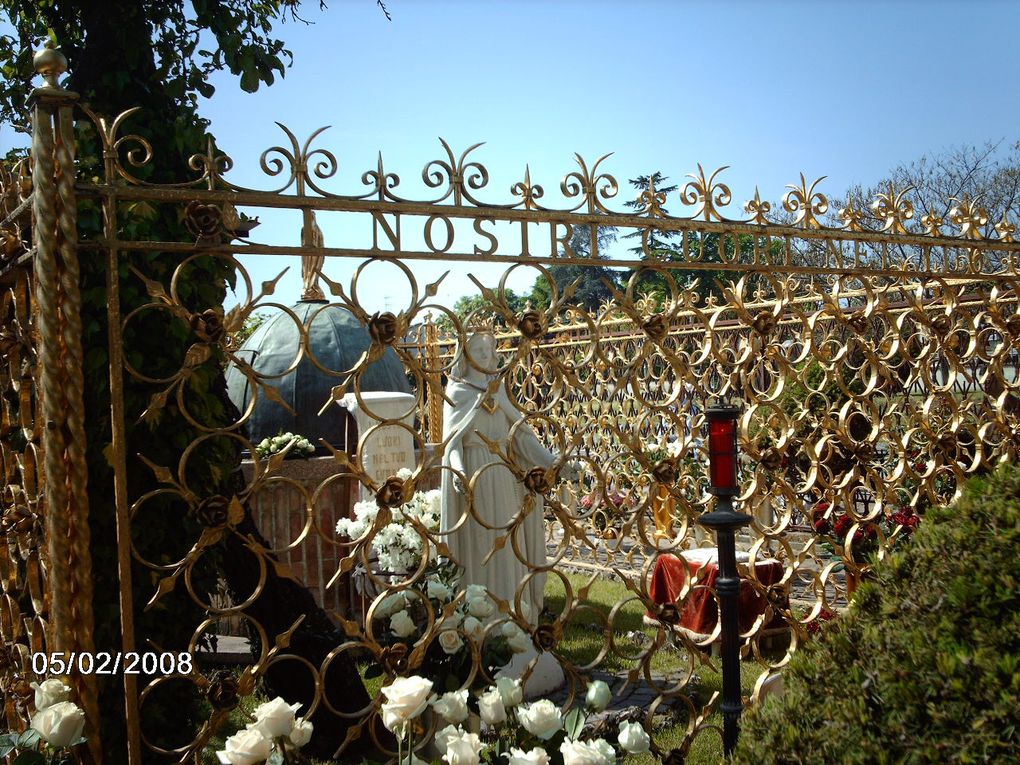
585 637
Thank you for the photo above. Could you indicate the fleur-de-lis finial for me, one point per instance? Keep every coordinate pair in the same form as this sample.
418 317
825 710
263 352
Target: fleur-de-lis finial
852 217
651 201
969 216
893 208
706 193
806 203
1005 229
758 209
527 191
932 224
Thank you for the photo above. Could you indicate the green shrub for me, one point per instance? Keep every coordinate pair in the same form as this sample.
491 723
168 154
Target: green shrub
925 667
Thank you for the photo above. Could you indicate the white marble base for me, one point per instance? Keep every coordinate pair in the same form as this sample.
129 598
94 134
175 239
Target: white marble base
545 678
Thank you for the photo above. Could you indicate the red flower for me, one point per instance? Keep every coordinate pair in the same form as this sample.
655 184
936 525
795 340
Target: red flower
843 524
824 616
905 517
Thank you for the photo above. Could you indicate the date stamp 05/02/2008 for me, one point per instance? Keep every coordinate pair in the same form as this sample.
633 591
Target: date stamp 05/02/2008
105 663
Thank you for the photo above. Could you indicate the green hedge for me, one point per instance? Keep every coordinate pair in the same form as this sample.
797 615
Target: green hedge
925 667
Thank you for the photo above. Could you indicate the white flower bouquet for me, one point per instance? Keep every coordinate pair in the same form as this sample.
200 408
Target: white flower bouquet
399 545
274 737
513 733
463 621
56 726
300 447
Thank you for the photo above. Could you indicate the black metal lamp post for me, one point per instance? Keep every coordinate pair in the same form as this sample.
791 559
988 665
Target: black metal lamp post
722 460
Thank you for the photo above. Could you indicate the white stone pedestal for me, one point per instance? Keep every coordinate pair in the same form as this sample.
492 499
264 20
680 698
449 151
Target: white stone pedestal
386 449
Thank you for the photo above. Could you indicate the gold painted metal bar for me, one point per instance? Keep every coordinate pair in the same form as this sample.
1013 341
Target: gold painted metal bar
340 252
119 454
421 209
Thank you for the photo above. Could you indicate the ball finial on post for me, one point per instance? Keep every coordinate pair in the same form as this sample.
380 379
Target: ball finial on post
50 63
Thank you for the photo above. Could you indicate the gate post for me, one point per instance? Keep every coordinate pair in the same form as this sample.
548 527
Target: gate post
57 302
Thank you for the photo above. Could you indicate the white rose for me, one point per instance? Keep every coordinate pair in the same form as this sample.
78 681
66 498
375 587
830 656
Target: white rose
246 747
585 753
450 641
50 692
473 627
475 592
301 733
275 718
404 473
598 696
402 625
452 706
536 756
633 738
520 642
510 691
542 718
453 621
60 724
490 707
413 759
482 607
406 698
605 749
442 737
463 749
437 590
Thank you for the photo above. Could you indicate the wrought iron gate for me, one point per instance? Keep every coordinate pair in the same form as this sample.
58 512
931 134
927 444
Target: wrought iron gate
876 361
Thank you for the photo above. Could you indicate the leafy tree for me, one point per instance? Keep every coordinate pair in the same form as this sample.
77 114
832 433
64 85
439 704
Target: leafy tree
660 243
666 246
592 291
252 323
122 54
477 307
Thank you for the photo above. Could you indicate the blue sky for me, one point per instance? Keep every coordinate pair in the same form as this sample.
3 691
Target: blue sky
772 89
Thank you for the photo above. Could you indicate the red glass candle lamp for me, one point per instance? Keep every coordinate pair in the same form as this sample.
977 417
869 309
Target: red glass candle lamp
722 449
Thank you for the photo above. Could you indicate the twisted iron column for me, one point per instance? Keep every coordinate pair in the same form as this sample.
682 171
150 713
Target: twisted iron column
58 308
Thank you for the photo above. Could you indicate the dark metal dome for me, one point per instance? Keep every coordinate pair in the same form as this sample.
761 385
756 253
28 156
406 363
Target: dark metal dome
336 340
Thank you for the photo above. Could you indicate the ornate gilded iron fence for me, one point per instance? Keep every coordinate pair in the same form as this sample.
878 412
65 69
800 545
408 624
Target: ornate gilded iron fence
876 363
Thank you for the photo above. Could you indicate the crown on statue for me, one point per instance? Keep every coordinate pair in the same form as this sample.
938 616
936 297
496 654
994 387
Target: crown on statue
479 323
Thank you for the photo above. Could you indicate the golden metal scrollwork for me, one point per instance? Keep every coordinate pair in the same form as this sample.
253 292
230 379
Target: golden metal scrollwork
876 360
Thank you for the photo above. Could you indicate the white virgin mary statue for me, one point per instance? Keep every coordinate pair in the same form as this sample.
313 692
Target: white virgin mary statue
477 406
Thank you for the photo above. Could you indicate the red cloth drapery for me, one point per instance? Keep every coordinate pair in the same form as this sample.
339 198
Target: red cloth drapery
699 612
